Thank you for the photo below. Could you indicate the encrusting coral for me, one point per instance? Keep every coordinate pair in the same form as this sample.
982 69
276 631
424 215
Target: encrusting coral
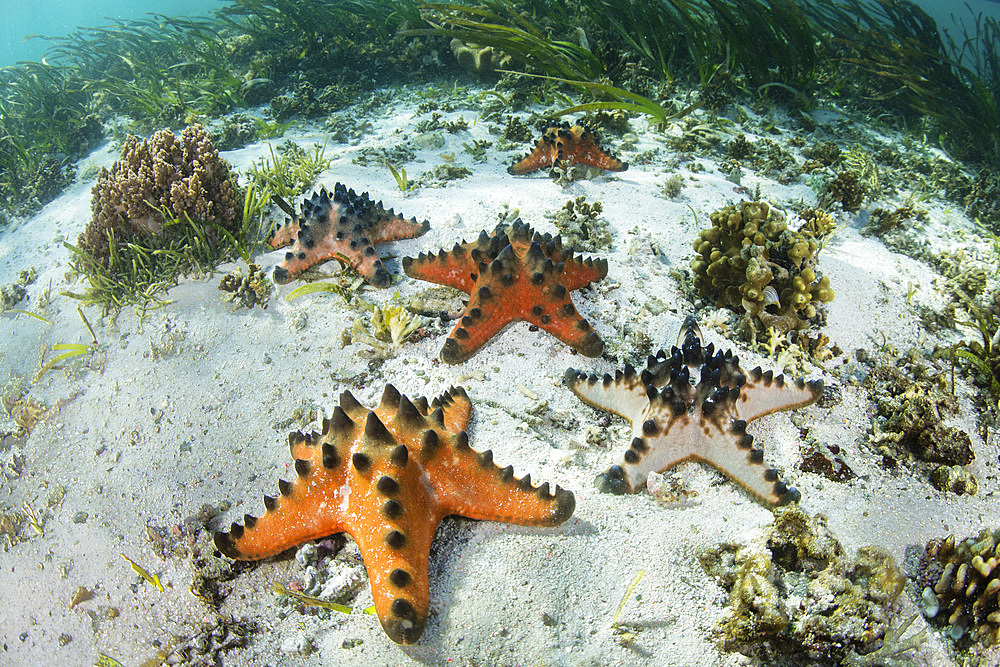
249 289
847 189
961 583
795 598
914 409
750 260
180 176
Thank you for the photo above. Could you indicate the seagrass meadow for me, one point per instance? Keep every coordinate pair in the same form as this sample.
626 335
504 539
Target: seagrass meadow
548 332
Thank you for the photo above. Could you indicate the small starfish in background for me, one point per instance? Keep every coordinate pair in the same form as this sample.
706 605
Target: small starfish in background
564 145
387 477
345 227
510 276
674 420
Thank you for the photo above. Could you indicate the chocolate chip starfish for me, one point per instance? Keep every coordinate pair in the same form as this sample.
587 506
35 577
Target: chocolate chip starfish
510 276
565 145
345 227
387 477
674 420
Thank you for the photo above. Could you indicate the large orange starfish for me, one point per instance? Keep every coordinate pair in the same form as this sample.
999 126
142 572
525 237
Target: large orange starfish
510 276
387 477
674 420
345 227
565 145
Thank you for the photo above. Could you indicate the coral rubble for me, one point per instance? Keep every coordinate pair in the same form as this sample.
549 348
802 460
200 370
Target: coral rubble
795 598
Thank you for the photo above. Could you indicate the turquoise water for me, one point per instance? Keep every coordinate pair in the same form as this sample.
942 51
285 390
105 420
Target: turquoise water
56 19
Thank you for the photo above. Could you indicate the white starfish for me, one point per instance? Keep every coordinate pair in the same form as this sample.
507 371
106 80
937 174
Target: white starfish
675 420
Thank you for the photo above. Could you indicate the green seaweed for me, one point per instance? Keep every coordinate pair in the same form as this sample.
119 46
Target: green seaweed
498 24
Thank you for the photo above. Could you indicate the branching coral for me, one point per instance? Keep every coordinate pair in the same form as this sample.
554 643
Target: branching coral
749 260
961 581
178 176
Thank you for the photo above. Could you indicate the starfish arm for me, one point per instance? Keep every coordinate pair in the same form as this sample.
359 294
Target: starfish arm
306 509
590 153
456 409
393 519
475 487
729 450
483 319
541 156
623 394
765 393
571 328
450 268
543 297
283 235
389 226
663 441
579 272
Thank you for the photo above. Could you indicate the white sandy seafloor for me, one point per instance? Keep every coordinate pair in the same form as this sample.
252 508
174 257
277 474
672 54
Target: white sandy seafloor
189 406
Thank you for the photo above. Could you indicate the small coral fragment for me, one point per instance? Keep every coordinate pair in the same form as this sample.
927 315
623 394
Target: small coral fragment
795 598
750 261
248 290
477 59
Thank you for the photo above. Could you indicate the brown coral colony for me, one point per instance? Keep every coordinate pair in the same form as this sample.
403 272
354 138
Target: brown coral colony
183 176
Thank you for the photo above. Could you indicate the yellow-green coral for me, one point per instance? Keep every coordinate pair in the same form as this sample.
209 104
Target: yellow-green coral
247 290
387 328
749 260
794 593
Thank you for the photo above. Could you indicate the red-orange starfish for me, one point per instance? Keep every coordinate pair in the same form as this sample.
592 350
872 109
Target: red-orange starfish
345 227
517 275
565 145
387 477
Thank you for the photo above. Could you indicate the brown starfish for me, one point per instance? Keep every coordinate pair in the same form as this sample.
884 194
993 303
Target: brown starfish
388 477
510 276
345 227
674 420
565 145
